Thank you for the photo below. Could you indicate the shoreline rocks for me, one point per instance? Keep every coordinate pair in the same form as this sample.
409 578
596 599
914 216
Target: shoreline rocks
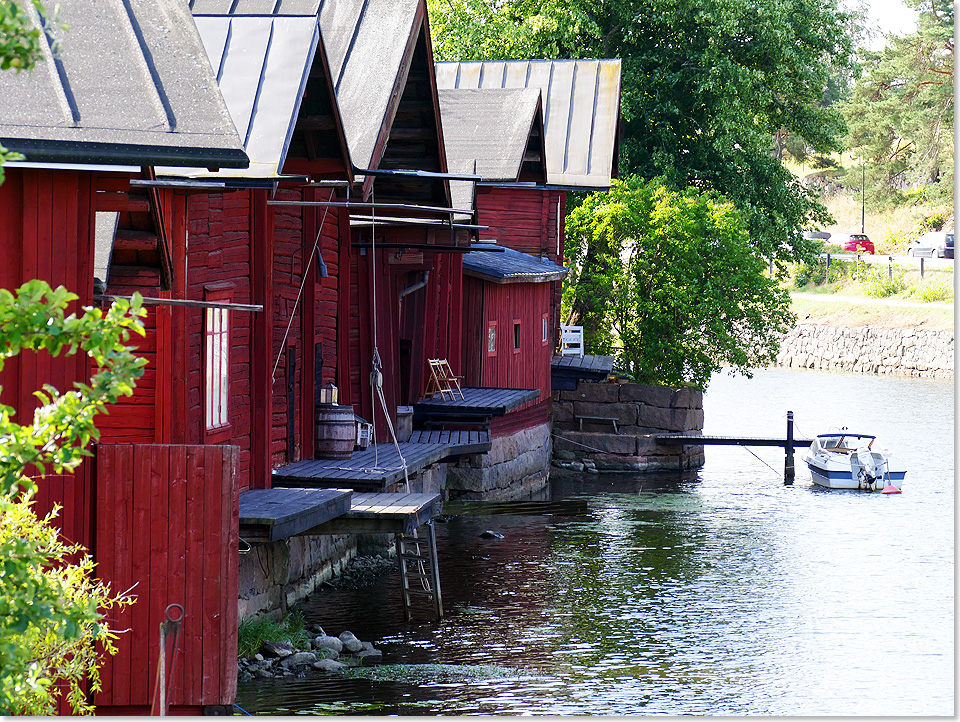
325 654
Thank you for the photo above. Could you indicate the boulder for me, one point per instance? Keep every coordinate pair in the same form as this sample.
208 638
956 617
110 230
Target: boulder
298 659
328 665
276 649
369 657
327 642
350 642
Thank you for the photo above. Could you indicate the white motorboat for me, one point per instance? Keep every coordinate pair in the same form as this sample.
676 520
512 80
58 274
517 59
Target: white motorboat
842 460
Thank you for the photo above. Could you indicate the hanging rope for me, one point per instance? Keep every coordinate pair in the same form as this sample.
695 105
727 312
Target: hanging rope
303 284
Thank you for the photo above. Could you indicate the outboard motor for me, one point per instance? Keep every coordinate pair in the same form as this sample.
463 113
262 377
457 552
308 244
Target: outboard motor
867 467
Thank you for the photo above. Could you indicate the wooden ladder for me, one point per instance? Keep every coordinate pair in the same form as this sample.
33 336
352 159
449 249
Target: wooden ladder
419 571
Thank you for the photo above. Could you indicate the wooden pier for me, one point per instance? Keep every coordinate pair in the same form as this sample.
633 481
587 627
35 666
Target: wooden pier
377 467
789 443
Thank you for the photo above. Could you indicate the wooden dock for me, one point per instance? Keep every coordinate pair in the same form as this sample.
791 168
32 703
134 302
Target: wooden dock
477 407
700 440
788 443
272 514
383 513
566 371
377 467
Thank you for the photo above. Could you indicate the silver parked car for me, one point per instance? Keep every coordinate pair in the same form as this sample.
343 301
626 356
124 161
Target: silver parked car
937 244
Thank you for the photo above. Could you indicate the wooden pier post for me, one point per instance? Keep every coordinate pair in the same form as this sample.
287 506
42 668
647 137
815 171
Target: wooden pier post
788 470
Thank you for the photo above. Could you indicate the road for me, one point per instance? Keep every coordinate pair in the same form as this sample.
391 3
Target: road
837 298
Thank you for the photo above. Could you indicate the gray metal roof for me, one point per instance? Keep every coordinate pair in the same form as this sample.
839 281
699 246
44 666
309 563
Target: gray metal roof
366 45
262 63
581 101
490 127
255 7
510 266
130 86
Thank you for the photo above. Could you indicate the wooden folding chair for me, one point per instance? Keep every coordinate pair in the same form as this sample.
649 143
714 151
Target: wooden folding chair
443 380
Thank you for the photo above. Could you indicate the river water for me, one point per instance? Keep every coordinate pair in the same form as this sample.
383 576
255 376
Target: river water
715 592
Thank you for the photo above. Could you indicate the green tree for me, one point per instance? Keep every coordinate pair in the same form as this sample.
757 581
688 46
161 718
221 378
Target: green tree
900 112
52 610
705 86
672 275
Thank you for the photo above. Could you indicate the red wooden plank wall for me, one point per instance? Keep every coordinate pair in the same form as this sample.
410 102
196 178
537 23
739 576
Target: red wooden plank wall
168 522
527 221
219 255
288 262
46 220
133 418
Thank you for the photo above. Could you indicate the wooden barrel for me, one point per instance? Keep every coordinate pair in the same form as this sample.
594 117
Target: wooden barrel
336 432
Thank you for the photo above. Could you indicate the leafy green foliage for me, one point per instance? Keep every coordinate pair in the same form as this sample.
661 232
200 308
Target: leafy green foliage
672 275
705 86
51 615
900 112
51 609
35 319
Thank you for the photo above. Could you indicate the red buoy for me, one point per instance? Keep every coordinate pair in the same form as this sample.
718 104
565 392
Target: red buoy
890 489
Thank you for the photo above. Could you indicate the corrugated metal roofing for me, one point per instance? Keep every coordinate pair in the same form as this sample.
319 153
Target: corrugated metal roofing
510 266
131 85
366 45
262 64
581 101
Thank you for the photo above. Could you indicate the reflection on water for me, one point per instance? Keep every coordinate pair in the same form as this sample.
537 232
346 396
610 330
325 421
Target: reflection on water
715 592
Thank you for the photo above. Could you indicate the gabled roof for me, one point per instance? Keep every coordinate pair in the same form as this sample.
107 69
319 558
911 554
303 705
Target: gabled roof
491 128
267 61
490 133
381 63
510 266
581 100
131 85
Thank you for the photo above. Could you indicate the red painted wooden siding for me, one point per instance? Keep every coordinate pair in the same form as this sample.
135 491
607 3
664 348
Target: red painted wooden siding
527 221
168 523
46 221
526 368
218 260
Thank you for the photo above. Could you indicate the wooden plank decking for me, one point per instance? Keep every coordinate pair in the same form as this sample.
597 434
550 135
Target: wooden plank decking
460 441
279 513
700 440
566 371
382 513
377 467
478 405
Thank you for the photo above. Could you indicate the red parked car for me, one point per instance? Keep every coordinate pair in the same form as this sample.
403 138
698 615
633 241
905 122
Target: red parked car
853 242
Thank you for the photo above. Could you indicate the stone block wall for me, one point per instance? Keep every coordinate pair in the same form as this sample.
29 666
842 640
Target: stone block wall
641 412
277 575
869 350
516 467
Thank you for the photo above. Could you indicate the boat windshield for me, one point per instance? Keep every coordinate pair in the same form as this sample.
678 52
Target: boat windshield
836 441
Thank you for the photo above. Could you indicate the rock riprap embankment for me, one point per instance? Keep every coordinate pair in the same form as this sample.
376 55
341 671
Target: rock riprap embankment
323 653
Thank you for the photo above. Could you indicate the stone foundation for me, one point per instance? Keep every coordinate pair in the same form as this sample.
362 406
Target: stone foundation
641 412
869 350
516 467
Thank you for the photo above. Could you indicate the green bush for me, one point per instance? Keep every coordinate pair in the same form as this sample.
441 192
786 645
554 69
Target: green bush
932 292
877 283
